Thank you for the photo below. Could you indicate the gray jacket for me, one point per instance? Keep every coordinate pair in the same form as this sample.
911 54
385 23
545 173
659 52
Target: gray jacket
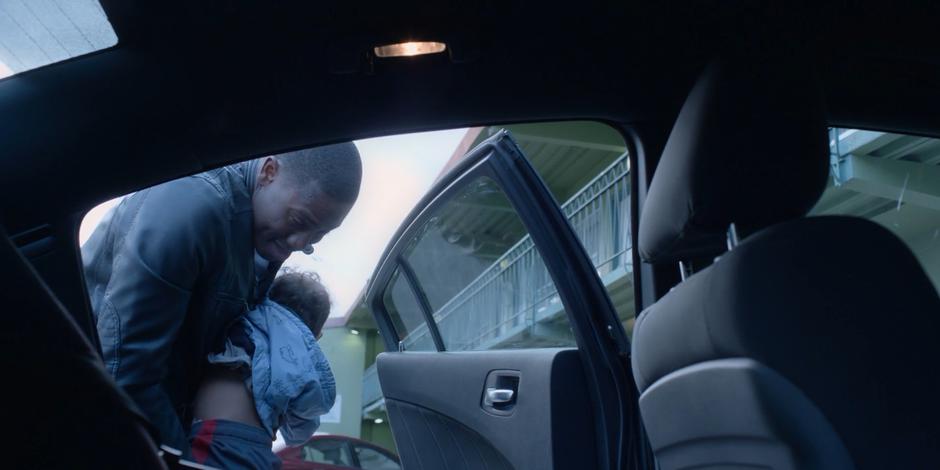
168 271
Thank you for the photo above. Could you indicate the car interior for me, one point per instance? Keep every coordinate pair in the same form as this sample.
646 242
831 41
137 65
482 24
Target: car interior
773 333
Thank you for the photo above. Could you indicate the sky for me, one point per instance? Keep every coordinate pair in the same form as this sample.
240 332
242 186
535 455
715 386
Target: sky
396 172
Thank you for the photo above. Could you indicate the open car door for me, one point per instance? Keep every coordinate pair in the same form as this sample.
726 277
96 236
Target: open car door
509 352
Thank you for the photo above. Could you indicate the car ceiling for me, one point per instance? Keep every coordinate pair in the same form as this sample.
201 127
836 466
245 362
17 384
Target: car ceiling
194 85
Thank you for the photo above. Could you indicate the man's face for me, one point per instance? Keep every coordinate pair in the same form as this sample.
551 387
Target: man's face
287 216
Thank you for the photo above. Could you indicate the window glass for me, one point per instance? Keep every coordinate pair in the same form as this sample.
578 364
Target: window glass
371 459
406 314
483 277
479 272
586 166
891 179
329 451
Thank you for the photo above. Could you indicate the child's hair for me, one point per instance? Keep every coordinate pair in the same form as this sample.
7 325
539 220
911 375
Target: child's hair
303 293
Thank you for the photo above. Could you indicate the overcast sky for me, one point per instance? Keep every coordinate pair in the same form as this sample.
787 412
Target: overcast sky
396 172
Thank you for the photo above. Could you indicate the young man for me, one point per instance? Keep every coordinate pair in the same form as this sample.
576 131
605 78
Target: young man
174 265
272 375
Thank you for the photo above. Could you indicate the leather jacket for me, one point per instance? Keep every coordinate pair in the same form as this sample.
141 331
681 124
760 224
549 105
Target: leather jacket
168 271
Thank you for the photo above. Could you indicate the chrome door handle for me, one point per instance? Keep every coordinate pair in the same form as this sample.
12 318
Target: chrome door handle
499 395
501 392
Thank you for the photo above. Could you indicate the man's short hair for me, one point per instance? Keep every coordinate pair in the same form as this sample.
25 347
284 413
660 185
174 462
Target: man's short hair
304 294
336 168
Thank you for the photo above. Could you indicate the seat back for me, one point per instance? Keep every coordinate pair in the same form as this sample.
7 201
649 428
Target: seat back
807 345
61 408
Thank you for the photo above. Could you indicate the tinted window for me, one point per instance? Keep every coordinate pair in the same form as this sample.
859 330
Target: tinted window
329 451
890 179
478 271
371 459
406 314
483 277
586 166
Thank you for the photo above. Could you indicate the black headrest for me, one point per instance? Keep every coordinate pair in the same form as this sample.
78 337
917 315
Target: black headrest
749 147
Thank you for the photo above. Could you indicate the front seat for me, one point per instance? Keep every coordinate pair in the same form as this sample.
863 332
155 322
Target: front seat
812 343
60 407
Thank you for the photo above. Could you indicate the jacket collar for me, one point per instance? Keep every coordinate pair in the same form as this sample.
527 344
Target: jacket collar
250 170
240 179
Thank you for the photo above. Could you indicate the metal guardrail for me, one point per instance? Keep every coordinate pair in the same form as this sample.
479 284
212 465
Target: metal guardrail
516 291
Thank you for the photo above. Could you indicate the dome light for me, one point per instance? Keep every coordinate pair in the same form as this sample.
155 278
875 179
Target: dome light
410 49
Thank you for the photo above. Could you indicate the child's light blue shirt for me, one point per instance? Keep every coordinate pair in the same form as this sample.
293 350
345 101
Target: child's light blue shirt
290 380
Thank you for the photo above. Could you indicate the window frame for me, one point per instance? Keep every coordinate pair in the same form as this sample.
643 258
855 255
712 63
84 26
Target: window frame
421 297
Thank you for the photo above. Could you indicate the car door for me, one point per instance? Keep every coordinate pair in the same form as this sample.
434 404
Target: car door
509 352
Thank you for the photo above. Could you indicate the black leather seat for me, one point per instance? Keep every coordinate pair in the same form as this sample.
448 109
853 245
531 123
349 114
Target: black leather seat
812 344
61 409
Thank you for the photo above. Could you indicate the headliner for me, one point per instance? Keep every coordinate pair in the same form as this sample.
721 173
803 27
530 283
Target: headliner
189 87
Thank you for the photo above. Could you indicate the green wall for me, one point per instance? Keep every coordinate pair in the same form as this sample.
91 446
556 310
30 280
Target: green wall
349 356
378 434
374 346
346 353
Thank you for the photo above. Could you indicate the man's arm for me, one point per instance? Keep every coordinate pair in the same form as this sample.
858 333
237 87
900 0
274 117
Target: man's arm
167 245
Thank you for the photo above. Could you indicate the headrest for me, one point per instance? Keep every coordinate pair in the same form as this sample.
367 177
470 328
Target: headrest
749 147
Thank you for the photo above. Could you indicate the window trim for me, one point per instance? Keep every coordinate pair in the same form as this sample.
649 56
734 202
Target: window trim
412 279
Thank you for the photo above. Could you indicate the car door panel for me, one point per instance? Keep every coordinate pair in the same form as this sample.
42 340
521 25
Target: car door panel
445 420
436 441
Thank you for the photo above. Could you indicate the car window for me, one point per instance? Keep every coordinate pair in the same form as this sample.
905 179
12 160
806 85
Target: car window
482 277
331 451
891 179
371 459
478 272
586 166
406 314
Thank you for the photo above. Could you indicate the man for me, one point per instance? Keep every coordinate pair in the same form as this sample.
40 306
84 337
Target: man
174 265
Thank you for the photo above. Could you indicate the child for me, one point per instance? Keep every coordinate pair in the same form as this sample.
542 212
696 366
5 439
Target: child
271 376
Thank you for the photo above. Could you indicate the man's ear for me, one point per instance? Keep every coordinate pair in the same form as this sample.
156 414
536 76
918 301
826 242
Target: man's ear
269 170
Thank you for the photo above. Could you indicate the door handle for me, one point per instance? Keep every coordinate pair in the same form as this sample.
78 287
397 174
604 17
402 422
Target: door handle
497 396
500 392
